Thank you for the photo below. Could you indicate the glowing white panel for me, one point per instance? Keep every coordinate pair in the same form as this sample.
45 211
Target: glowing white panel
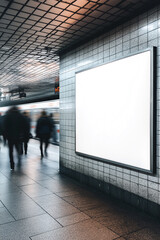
113 111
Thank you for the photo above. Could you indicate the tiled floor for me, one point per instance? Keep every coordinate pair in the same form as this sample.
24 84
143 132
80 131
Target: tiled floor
39 204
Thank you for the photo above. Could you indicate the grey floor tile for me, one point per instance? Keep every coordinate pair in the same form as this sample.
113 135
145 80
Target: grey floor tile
123 228
5 216
67 193
14 197
100 211
48 200
122 218
84 202
26 210
34 190
36 176
121 223
55 206
57 186
151 233
62 209
23 229
20 205
7 187
21 179
120 238
71 219
87 230
3 178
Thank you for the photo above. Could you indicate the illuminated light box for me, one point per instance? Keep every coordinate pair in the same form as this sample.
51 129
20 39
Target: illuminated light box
114 112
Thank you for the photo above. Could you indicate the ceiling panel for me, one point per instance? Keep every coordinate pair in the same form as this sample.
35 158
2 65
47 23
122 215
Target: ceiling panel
34 32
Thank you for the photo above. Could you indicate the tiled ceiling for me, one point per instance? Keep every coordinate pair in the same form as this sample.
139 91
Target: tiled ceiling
33 32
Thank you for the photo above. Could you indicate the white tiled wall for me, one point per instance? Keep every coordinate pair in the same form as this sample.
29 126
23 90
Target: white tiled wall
135 35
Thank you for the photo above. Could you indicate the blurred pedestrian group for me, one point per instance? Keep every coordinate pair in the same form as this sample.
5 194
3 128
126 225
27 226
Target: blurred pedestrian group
15 130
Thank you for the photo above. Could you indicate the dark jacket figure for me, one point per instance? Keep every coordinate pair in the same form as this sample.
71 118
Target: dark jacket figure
1 125
53 133
1 128
25 135
13 127
43 131
2 133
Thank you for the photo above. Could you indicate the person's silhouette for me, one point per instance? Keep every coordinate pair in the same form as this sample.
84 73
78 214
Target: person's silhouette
13 128
43 132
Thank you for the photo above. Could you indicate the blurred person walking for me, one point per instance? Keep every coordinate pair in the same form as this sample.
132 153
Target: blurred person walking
2 134
25 134
43 132
1 129
53 133
13 127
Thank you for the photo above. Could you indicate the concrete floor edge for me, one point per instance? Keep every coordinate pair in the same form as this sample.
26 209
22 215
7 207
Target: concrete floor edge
118 193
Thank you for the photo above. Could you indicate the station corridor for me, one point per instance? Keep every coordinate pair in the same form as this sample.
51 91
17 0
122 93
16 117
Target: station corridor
38 203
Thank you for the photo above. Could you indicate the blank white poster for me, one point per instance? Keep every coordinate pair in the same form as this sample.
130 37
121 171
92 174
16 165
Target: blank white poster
113 111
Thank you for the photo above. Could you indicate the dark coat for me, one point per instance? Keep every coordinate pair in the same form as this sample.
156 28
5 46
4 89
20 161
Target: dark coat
13 125
52 122
44 127
1 125
25 135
